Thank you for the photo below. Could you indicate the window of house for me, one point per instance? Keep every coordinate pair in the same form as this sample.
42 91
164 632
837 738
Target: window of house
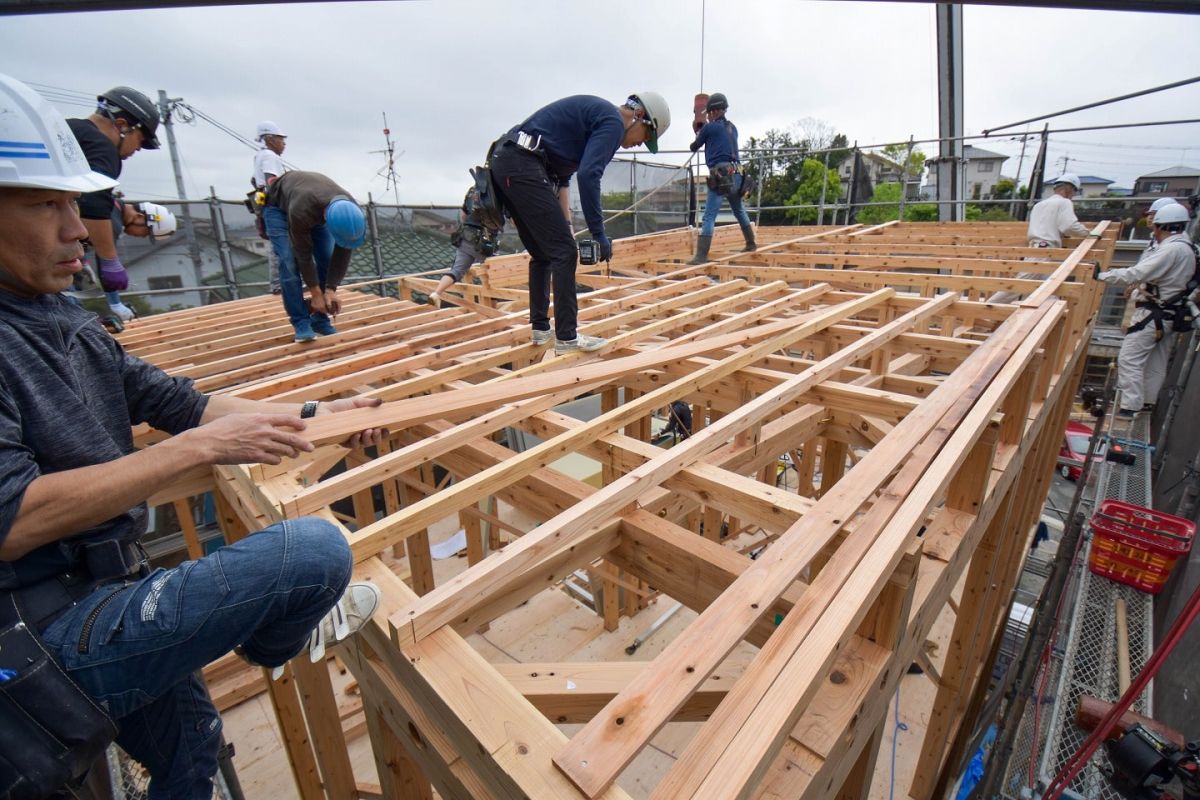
1156 186
166 282
987 166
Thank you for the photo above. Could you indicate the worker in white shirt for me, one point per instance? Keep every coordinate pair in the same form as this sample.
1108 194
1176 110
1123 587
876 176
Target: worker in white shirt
1165 279
268 165
1049 221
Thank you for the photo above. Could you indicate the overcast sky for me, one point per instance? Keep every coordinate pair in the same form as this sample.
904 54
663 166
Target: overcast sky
453 74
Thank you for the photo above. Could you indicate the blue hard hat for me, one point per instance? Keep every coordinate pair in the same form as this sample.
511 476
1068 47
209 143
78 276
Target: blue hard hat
346 223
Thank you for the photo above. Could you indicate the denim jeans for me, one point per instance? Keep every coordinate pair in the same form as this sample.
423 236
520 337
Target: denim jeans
291 288
712 207
136 646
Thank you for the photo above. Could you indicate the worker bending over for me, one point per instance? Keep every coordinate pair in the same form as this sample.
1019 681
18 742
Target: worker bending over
532 167
473 240
124 122
719 138
313 225
1165 278
1050 220
93 644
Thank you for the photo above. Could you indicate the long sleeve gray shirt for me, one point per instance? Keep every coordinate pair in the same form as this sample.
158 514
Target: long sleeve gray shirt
68 397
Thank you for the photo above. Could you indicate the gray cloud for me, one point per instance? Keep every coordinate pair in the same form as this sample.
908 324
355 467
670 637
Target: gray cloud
452 75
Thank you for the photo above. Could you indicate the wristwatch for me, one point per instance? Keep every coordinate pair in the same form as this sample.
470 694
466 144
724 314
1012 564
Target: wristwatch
309 409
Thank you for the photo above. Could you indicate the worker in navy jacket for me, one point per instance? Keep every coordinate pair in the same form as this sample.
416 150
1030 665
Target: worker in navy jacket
532 167
719 138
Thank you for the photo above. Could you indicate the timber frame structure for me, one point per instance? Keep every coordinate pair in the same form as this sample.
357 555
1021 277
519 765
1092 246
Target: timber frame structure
923 422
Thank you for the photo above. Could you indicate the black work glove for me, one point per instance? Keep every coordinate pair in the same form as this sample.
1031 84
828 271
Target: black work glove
605 247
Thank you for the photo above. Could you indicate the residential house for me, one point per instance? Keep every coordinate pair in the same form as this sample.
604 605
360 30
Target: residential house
880 169
981 176
1089 186
1177 181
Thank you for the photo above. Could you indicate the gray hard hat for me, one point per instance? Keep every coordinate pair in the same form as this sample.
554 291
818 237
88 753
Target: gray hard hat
716 102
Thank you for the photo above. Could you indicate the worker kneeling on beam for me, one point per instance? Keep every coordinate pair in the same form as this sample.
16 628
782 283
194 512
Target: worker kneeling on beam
1166 281
314 225
94 645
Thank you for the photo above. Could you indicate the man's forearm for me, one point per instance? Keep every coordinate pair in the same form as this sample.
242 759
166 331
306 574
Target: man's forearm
220 405
101 234
62 504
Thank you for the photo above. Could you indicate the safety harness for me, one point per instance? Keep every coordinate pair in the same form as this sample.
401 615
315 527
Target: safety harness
1179 309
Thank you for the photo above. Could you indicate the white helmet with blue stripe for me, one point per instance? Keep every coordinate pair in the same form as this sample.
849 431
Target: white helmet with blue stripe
37 149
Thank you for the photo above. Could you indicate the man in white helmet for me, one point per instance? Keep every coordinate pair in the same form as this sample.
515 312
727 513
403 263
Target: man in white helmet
1050 220
100 646
268 165
532 167
1164 280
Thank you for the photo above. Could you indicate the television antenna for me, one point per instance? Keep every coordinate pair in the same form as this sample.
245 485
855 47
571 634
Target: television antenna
388 171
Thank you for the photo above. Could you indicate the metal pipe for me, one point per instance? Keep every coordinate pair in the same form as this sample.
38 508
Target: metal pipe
824 185
1176 394
904 177
658 623
218 223
1096 104
373 229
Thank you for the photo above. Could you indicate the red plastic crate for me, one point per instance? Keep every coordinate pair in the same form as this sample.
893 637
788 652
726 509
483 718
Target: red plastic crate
1137 546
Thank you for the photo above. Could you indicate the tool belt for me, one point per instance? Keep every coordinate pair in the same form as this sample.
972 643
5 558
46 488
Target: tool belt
474 237
721 178
52 729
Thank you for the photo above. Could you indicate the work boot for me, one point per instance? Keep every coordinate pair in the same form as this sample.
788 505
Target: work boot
703 242
748 232
304 331
587 344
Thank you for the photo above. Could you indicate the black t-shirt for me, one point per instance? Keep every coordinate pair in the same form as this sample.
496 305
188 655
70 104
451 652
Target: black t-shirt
103 157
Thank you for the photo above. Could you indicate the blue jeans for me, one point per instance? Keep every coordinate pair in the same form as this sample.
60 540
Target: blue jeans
291 288
142 648
712 207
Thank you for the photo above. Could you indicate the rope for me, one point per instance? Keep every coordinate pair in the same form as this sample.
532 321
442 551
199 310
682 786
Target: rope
900 727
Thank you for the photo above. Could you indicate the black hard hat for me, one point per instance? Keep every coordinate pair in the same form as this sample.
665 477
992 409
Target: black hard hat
716 102
143 111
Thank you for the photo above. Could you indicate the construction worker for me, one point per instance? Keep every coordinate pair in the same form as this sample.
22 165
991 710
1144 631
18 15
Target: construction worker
1050 220
124 122
532 167
473 240
1165 280
267 167
314 225
719 138
96 644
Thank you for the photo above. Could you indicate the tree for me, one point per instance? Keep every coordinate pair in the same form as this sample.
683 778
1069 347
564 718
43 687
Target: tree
912 165
889 193
612 202
808 190
1003 190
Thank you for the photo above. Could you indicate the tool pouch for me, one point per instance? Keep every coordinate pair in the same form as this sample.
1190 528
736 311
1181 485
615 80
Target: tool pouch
720 178
51 728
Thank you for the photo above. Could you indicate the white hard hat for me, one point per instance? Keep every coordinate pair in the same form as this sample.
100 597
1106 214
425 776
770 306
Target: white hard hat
1170 214
159 219
37 149
1160 202
1068 178
268 128
658 114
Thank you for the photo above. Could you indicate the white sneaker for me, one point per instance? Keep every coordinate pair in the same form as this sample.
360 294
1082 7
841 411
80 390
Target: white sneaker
586 344
542 337
348 615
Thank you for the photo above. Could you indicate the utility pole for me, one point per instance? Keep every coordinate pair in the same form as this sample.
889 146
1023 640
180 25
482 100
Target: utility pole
950 174
165 107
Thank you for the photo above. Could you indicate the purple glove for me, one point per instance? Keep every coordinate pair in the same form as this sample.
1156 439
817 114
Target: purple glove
113 277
